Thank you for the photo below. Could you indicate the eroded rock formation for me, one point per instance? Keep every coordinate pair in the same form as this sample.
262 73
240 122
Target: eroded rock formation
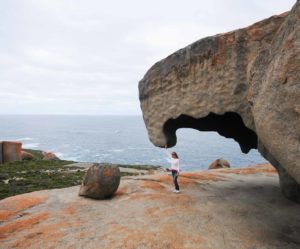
11 151
49 156
27 156
243 84
226 208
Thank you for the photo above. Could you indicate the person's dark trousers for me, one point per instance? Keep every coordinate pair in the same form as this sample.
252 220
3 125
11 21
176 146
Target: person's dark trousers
175 176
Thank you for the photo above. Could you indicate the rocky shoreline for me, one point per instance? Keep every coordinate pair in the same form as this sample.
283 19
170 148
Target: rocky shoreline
224 208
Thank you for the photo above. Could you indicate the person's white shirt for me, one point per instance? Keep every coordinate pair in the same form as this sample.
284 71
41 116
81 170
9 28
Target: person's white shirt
173 161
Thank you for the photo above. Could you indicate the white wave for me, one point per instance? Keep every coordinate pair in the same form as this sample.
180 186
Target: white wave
102 155
24 139
31 145
117 150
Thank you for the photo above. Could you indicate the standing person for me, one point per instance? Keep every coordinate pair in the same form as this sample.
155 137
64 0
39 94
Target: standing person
174 160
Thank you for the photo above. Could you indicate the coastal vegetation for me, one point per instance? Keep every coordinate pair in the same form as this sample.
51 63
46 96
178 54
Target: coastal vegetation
33 175
27 176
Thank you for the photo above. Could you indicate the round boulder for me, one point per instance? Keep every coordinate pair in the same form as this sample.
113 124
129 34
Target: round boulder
219 164
27 156
100 181
49 156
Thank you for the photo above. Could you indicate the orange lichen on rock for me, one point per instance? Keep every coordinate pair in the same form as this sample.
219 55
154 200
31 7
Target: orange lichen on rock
145 213
260 168
12 205
255 33
169 212
203 176
121 191
165 197
184 179
108 172
48 234
226 40
161 212
22 224
191 177
163 178
153 185
168 236
69 210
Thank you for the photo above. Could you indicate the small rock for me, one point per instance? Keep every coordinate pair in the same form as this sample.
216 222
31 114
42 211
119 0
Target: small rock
27 156
100 181
219 164
50 156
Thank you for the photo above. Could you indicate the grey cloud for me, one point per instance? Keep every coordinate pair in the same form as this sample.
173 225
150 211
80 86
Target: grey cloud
86 57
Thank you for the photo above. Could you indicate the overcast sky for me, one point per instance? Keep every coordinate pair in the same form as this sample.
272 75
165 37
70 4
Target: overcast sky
86 57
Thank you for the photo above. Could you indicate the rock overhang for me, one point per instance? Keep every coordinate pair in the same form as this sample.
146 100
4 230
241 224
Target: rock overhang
251 73
229 125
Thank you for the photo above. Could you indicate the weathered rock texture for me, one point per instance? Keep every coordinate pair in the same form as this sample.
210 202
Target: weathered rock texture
100 181
243 84
11 151
219 164
219 209
50 156
27 156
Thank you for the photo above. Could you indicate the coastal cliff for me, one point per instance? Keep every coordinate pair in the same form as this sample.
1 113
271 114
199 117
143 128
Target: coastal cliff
243 84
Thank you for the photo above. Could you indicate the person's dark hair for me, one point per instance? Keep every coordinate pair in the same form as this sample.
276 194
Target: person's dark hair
175 154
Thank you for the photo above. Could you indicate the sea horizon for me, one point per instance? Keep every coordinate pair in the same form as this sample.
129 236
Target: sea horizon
121 139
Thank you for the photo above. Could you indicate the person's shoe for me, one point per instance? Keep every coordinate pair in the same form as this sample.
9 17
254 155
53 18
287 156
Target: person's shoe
177 191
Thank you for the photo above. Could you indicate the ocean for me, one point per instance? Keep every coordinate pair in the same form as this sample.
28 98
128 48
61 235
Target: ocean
118 139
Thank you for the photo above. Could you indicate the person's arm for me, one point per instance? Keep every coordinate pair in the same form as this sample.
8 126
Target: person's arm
168 153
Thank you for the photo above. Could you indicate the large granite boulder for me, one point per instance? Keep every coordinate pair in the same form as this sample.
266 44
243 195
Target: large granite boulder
219 164
244 84
100 181
50 156
27 156
11 151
